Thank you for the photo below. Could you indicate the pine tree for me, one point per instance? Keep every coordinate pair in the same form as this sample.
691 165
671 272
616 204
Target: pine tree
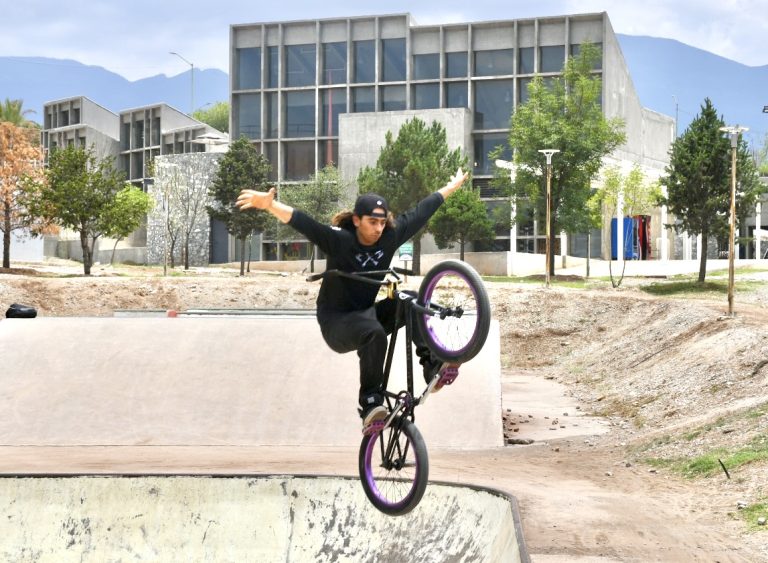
698 180
462 218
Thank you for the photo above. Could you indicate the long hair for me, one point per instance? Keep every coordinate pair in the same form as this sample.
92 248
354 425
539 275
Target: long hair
343 219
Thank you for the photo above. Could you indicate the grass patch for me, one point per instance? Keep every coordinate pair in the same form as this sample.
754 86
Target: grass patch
686 287
751 513
708 464
575 282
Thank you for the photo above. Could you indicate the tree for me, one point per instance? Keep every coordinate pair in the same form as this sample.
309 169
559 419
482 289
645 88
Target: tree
242 166
11 111
323 195
462 218
761 157
637 195
410 168
128 210
563 114
698 180
77 192
19 159
217 116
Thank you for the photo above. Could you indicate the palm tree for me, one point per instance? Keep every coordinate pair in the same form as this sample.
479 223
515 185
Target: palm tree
11 111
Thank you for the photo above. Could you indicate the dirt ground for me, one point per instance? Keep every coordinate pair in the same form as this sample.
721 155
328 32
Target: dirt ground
599 380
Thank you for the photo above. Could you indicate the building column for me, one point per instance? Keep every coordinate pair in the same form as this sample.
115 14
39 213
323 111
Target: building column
698 247
686 246
563 247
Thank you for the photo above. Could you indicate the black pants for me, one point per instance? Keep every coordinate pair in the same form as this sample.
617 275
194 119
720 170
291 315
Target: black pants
366 331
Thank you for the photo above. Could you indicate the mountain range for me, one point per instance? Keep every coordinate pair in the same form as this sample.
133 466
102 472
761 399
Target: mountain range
670 77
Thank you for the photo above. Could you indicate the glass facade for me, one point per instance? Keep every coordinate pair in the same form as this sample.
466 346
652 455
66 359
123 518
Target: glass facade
494 63
299 114
426 96
249 69
364 65
364 70
426 67
456 65
493 104
299 65
392 60
334 63
551 59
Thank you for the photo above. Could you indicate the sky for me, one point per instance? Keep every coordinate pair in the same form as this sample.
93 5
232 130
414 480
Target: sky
134 39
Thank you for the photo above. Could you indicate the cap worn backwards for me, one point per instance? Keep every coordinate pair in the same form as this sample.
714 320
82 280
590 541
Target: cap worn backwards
367 203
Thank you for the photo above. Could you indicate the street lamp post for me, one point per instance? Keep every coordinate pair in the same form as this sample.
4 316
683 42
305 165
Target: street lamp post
192 82
733 132
548 153
512 226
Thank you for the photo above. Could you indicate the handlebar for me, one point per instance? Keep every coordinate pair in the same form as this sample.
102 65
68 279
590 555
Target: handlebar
363 276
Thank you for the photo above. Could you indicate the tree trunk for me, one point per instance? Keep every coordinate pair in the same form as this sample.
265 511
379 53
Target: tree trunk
589 250
703 256
186 251
461 250
87 253
7 237
242 256
114 249
417 255
312 260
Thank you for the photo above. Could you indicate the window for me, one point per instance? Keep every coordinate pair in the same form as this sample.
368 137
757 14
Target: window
363 99
248 115
484 144
426 96
456 95
495 62
248 68
364 69
299 160
328 152
138 134
270 151
493 104
392 98
299 65
273 67
334 63
392 60
299 114
525 60
551 59
456 65
522 90
426 67
271 127
334 103
598 63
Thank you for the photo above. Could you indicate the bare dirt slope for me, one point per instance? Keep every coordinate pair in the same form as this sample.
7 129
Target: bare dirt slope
672 378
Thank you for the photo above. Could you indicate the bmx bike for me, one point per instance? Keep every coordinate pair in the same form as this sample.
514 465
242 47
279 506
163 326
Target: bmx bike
452 312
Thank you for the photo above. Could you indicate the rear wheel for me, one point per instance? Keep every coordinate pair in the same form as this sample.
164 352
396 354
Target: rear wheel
394 467
455 293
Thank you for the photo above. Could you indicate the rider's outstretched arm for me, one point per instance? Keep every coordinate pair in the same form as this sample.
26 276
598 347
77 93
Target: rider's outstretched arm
251 199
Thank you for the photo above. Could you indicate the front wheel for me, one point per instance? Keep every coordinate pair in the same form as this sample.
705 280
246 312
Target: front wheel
394 467
455 293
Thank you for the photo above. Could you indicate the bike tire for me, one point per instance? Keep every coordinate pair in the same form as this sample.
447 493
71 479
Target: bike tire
394 467
453 283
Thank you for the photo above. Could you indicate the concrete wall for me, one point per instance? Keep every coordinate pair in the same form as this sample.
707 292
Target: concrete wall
362 135
254 518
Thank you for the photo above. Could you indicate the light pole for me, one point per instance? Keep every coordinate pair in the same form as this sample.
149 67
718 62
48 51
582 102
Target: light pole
733 132
192 82
512 226
548 153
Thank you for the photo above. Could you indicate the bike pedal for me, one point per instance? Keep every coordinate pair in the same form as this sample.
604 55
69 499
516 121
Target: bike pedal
374 427
448 375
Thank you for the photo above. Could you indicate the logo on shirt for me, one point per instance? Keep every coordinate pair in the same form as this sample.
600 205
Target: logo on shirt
369 258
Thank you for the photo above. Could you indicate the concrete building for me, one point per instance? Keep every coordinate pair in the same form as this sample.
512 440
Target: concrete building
313 92
134 138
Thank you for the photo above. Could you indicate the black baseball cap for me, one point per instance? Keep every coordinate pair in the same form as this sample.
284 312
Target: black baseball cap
366 203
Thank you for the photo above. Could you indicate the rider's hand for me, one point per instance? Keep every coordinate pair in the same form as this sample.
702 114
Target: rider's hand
251 199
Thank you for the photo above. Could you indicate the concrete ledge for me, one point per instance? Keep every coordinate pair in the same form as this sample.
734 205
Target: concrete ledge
247 518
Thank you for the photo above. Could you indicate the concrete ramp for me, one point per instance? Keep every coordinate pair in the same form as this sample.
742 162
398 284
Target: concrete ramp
211 381
235 519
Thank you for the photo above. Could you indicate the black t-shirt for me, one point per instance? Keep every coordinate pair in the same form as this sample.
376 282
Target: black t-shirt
344 252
